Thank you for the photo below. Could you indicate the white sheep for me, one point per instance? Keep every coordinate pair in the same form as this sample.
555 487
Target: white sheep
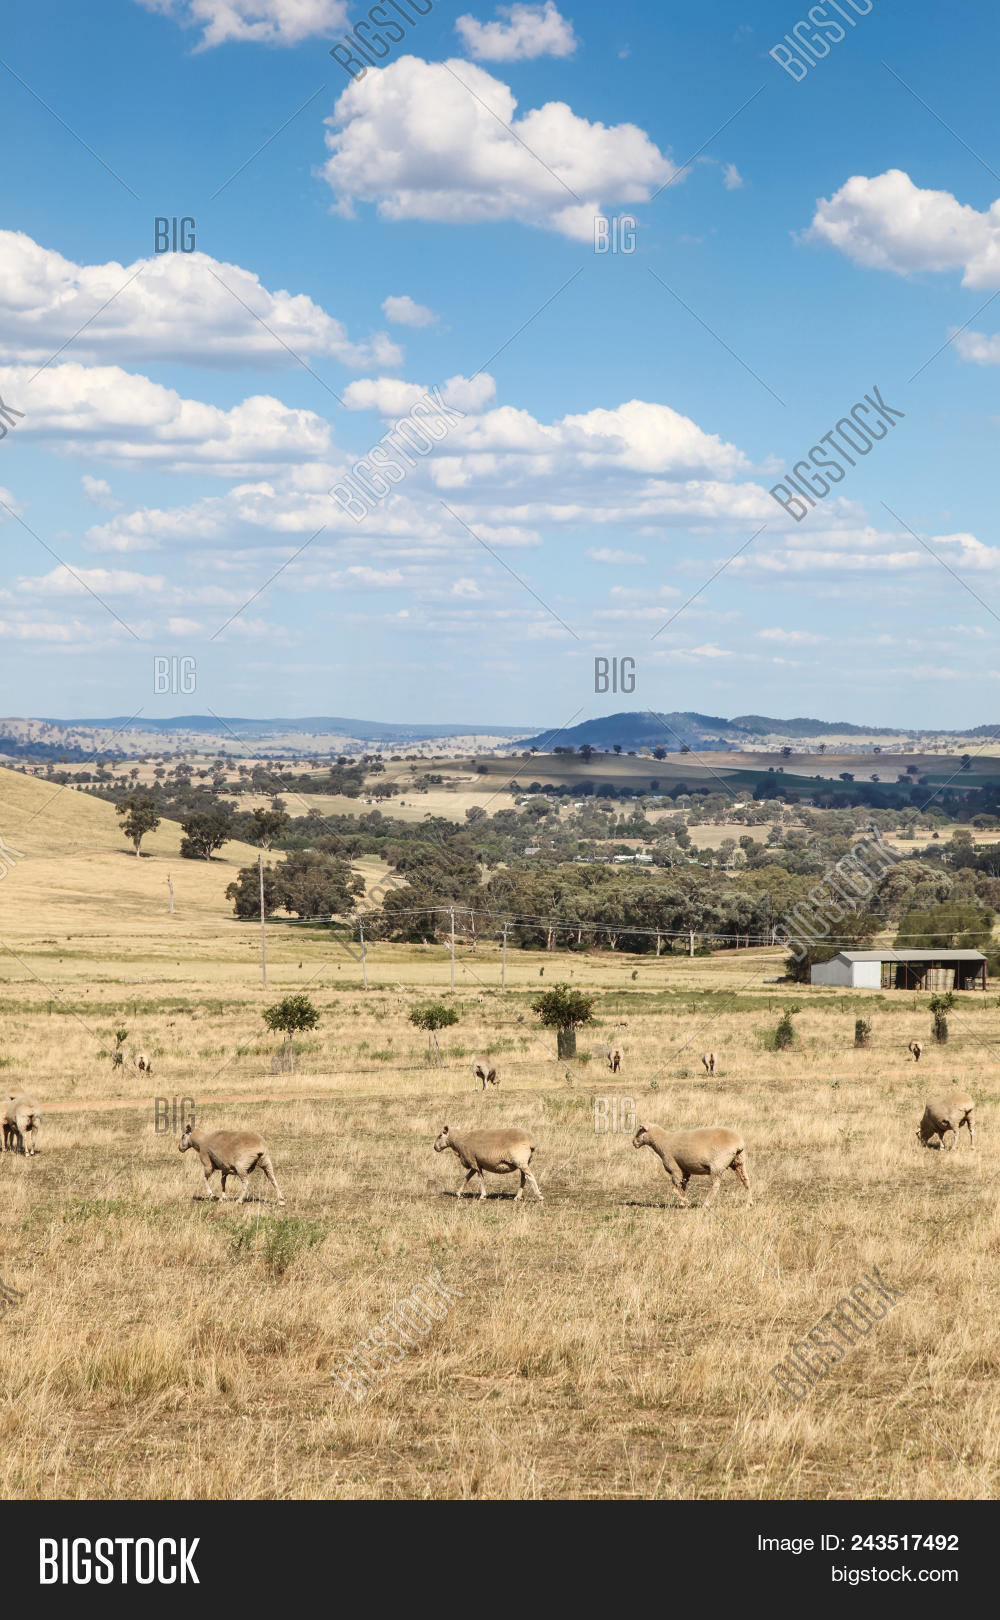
485 1070
234 1153
708 1058
142 1063
615 1059
19 1121
916 1048
684 1154
499 1151
8 1125
944 1114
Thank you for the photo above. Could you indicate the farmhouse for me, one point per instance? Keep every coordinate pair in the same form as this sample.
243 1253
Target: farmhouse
903 970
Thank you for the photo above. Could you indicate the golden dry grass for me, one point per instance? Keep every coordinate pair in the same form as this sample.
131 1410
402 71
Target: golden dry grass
607 1343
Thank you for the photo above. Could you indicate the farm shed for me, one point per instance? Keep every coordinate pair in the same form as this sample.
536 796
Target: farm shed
903 970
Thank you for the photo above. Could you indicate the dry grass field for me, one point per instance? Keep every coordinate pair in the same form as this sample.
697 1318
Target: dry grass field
606 1343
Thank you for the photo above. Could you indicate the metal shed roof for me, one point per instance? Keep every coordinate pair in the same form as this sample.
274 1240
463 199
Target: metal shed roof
912 956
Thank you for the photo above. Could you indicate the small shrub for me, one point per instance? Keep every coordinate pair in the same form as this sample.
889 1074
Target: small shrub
862 1032
784 1035
939 1006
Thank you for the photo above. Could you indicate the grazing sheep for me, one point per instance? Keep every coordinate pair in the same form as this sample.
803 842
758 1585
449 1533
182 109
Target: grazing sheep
944 1114
708 1058
485 1070
622 1024
499 1151
234 1153
19 1122
916 1048
142 1063
615 1059
8 1127
684 1154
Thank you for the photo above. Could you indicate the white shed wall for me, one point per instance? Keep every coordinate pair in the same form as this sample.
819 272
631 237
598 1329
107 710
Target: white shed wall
867 975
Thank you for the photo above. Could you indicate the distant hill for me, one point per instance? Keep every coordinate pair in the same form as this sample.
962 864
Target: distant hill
320 725
635 729
762 724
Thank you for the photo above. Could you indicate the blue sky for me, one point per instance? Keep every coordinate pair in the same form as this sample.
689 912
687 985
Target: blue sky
616 419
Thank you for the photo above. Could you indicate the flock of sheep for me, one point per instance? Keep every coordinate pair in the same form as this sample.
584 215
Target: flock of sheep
683 1154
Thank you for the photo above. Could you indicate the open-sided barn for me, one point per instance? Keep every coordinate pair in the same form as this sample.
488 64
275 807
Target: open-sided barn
903 970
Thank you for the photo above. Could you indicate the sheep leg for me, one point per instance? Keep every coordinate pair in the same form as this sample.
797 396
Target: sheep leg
225 1178
268 1169
209 1189
713 1189
482 1185
968 1121
534 1184
465 1183
739 1169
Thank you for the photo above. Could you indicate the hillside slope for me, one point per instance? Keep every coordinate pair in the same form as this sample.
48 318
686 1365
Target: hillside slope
72 864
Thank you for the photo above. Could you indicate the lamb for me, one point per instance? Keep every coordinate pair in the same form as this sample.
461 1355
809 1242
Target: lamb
234 1153
708 1058
916 1048
944 1114
499 1151
615 1059
684 1154
485 1070
20 1118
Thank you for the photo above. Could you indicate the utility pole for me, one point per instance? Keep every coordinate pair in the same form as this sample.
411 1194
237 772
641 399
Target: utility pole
364 965
452 910
263 942
170 886
503 962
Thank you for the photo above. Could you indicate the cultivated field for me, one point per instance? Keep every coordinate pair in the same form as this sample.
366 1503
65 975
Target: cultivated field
606 1343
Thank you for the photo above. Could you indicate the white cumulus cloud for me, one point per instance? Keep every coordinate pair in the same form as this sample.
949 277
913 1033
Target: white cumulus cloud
264 22
229 319
471 160
404 312
106 412
527 32
888 223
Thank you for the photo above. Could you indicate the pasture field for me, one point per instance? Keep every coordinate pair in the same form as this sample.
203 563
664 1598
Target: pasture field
605 1343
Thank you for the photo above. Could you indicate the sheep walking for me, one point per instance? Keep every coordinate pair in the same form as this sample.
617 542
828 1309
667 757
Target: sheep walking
142 1063
8 1126
20 1118
498 1151
684 1154
234 1153
708 1058
916 1048
944 1114
615 1059
484 1070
